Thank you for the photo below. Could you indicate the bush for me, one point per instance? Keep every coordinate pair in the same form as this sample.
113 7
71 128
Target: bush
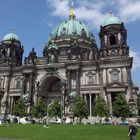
138 120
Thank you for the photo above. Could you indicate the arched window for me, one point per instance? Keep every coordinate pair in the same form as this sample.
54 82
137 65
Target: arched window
112 40
115 75
18 84
90 79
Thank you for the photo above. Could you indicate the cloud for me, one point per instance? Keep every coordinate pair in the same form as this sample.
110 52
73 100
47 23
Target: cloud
59 7
136 60
94 12
128 10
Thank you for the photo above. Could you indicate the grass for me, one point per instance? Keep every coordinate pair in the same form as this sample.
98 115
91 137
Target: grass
65 132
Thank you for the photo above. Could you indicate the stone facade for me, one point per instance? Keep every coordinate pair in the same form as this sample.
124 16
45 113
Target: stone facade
71 63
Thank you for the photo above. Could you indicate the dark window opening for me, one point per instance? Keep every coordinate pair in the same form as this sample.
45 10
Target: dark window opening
18 84
63 32
112 40
83 32
3 53
54 87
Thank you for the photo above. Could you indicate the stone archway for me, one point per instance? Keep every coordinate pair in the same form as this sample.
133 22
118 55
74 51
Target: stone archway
50 89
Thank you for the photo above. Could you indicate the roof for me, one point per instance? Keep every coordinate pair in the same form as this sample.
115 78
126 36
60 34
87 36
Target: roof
111 20
11 36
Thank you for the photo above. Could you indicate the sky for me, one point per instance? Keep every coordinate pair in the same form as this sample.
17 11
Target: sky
34 21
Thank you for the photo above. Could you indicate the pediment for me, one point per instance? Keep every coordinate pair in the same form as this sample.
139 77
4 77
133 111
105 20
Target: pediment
115 84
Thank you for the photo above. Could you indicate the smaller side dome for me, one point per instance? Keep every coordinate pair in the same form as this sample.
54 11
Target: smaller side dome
10 36
112 20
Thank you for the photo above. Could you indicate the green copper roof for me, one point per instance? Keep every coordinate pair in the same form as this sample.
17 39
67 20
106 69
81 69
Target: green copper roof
72 27
11 36
112 20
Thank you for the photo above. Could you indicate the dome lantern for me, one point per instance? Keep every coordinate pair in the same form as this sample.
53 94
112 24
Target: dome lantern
72 15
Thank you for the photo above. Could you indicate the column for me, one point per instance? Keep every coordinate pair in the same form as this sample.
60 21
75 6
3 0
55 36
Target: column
31 92
129 84
10 105
7 94
24 84
106 77
101 82
122 75
109 103
85 98
77 83
68 82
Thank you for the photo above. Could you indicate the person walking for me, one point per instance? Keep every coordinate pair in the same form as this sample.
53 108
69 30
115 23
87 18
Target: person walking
132 131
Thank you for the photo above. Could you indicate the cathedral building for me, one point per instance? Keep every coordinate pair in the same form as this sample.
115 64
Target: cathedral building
71 65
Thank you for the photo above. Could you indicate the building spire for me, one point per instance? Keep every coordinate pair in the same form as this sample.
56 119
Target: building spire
72 15
110 13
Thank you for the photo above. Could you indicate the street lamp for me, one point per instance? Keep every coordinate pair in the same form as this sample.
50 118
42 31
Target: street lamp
90 105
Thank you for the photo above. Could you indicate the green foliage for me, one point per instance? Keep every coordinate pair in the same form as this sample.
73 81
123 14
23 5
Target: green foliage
40 109
20 108
138 103
55 109
100 108
120 107
80 109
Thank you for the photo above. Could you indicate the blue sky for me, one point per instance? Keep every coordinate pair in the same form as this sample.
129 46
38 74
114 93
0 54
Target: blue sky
34 20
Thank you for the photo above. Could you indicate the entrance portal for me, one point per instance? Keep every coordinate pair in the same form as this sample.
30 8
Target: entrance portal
51 89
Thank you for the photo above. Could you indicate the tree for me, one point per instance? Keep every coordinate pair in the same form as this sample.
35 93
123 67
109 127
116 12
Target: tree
20 108
100 108
40 109
55 109
138 103
120 107
80 109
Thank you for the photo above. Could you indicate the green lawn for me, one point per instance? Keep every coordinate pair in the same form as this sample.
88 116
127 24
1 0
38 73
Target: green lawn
65 132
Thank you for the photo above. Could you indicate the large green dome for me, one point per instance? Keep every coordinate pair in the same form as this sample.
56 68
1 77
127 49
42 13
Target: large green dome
72 27
111 20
